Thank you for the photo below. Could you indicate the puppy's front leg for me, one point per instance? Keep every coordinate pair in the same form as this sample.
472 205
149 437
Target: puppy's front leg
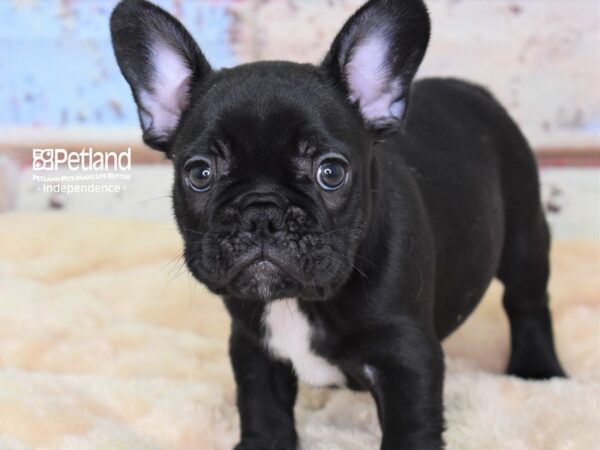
405 375
266 393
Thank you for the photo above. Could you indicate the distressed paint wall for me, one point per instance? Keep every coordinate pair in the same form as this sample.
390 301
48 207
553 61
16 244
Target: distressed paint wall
57 68
540 57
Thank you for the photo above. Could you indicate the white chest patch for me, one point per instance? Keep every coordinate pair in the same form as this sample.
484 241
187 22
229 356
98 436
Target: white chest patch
288 336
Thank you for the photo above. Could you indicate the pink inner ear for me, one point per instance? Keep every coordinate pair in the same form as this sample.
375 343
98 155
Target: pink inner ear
183 93
369 80
167 97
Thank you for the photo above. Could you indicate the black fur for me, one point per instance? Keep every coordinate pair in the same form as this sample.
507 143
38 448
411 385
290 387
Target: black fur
384 267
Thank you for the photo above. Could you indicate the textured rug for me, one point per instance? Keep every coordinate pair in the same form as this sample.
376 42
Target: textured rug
107 343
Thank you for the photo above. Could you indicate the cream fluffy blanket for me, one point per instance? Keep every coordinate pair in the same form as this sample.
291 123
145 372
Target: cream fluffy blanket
107 343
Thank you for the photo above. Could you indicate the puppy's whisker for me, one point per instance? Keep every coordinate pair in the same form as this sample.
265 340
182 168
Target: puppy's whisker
173 261
178 269
199 233
162 197
366 260
338 230
354 266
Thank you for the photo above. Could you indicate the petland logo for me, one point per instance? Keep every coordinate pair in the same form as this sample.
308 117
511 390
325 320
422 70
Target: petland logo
58 171
51 159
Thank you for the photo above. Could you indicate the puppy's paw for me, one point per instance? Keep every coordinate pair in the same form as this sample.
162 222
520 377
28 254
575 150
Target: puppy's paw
434 444
537 373
536 367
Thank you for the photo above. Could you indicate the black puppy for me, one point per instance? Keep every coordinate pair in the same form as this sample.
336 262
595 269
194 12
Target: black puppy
347 233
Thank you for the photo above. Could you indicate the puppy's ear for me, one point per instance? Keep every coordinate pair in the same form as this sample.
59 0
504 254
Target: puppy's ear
160 61
375 57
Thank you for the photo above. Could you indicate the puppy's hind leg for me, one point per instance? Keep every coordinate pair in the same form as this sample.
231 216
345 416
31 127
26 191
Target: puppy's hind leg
524 270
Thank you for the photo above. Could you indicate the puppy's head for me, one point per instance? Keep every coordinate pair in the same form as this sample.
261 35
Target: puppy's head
273 173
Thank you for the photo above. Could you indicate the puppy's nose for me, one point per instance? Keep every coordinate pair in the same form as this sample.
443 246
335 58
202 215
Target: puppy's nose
263 221
262 213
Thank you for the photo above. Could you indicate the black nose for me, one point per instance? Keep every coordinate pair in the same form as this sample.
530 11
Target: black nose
262 221
262 213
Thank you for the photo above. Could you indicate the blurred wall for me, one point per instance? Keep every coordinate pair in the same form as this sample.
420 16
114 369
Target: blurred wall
540 57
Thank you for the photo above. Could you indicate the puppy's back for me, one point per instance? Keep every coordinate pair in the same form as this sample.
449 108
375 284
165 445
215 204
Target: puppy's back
476 173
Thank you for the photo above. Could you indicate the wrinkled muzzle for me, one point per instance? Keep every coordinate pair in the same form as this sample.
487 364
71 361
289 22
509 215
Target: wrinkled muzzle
262 247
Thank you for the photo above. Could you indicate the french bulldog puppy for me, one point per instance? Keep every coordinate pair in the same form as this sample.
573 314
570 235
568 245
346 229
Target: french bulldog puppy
350 218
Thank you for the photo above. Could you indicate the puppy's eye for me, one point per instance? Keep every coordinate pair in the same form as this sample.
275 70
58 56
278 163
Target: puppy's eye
199 176
332 174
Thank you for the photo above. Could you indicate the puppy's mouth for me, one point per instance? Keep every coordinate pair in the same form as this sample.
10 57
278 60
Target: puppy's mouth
267 271
264 279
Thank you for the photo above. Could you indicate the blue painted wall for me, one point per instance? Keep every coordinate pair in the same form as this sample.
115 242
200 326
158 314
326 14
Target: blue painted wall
57 68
